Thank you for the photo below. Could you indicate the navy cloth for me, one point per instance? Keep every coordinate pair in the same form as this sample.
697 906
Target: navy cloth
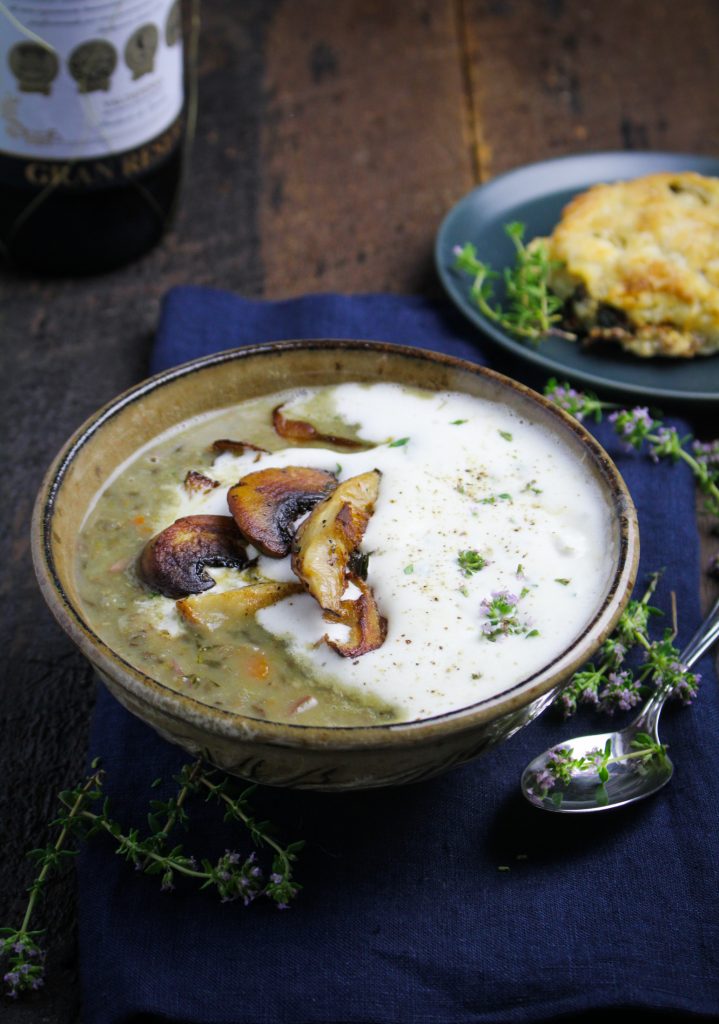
448 902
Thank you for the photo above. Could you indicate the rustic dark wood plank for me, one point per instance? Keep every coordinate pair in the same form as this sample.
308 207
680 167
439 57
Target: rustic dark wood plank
363 144
554 76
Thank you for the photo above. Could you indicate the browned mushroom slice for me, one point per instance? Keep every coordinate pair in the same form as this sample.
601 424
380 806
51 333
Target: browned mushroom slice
198 483
324 542
302 432
225 444
265 504
174 561
368 629
208 611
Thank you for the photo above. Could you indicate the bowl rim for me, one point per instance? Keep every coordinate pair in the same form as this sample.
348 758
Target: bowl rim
187 709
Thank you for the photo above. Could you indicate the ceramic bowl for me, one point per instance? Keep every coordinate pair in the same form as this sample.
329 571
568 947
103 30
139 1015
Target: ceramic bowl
286 754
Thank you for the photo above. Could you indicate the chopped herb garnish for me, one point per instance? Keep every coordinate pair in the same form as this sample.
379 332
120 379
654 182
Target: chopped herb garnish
470 562
501 612
564 582
494 498
398 443
530 487
457 423
408 569
505 434
463 590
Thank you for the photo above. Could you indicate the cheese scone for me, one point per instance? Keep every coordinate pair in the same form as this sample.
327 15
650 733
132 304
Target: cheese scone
638 263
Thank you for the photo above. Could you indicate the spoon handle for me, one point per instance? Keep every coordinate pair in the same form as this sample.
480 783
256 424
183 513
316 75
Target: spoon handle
705 636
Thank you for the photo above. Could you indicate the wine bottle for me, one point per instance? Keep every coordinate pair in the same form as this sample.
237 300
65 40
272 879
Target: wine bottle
91 130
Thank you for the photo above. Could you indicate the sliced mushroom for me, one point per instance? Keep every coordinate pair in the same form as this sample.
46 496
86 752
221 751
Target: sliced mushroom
302 432
174 561
265 504
324 542
225 444
208 611
198 483
368 629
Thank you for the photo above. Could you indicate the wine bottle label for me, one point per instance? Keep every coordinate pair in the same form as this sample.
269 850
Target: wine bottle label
83 80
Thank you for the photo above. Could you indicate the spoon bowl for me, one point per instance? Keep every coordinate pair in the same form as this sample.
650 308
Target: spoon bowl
628 780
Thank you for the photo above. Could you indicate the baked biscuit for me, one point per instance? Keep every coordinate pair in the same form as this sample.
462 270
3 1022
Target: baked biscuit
638 263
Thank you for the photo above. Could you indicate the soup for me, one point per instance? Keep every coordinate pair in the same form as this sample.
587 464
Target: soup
444 551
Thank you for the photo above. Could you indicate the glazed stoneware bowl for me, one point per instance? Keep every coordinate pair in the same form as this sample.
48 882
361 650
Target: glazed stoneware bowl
293 755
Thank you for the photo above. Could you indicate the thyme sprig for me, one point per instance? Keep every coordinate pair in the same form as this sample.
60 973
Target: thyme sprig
552 780
85 812
532 311
638 429
610 685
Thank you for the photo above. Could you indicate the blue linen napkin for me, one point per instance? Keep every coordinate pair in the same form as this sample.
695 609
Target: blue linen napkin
448 902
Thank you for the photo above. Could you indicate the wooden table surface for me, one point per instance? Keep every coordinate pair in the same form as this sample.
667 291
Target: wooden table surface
331 139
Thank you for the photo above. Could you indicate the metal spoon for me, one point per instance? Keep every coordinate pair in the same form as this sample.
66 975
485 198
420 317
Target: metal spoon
628 780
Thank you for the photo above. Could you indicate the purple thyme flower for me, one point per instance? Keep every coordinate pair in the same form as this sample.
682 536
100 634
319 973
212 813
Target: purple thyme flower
544 779
707 452
557 755
568 399
629 421
632 425
621 693
568 702
589 696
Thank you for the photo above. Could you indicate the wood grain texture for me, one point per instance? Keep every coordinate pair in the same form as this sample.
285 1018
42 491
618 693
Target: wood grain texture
331 139
550 77
363 144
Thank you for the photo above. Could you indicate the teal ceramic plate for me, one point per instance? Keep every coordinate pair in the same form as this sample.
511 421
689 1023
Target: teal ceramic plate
536 195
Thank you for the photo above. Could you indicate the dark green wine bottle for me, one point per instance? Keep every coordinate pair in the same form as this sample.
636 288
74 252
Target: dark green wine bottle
91 131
